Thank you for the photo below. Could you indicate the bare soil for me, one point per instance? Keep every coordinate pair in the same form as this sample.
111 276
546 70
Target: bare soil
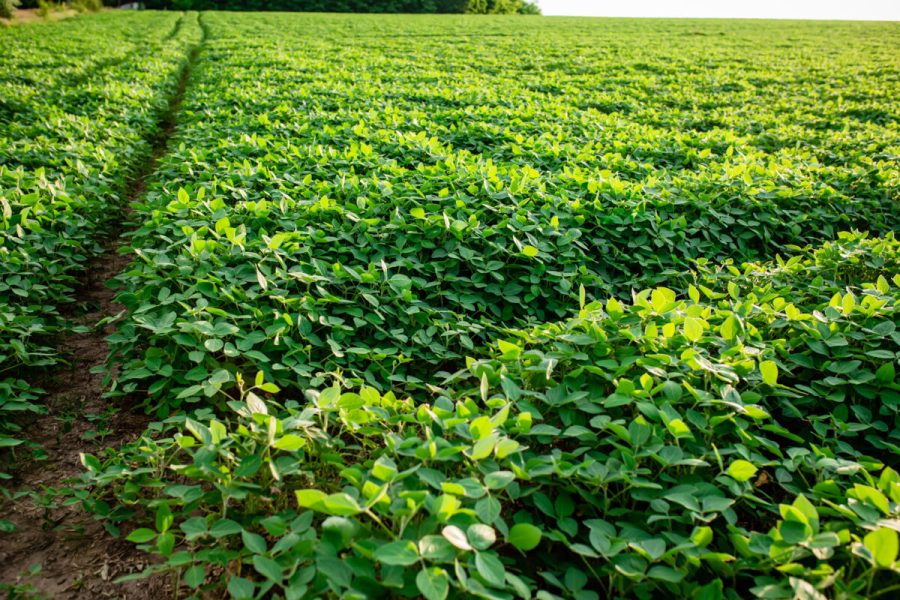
30 15
78 558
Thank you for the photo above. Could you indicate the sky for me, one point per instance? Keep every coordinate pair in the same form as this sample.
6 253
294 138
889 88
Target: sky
877 10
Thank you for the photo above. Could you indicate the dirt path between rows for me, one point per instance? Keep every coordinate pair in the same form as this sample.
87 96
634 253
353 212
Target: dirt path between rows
77 557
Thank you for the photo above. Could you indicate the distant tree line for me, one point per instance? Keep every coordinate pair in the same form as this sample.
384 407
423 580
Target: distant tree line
485 7
81 5
360 6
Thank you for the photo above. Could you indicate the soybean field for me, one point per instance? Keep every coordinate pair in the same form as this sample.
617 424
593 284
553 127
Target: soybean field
431 306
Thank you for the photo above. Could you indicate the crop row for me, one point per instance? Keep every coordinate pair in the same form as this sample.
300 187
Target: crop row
79 101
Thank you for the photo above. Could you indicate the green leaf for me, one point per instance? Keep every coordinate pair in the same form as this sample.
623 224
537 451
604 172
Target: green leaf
268 568
702 536
490 567
665 573
483 447
350 401
224 527
883 544
310 498
808 510
240 588
871 496
165 543
194 527
401 282
343 527
662 299
290 442
256 405
433 583
885 373
164 518
384 469
741 470
400 553
794 532
481 427
436 549
729 328
341 504
769 371
826 539
693 329
614 308
141 536
481 536
498 479
653 547
253 542
524 536
488 509
194 576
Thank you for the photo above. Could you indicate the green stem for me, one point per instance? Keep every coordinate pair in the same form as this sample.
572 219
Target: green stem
887 590
177 584
381 524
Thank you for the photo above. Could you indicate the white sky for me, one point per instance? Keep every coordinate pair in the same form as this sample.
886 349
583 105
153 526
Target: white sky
880 10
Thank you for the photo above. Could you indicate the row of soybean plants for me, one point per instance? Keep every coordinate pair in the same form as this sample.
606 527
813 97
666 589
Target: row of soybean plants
396 357
78 102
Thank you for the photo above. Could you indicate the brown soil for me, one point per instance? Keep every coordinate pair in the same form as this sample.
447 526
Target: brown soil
78 558
30 15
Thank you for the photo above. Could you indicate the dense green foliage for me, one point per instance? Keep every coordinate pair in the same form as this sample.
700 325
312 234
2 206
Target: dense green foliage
354 6
515 308
652 448
78 101
318 217
399 252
